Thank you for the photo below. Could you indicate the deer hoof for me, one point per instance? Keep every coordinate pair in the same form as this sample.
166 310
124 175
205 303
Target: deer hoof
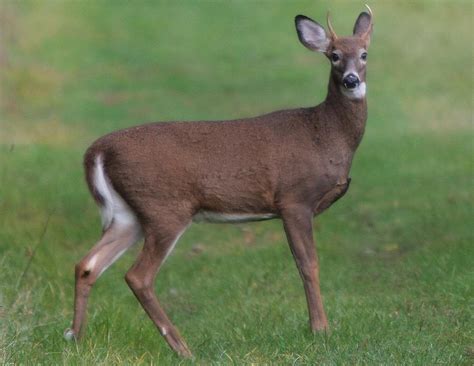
69 335
178 344
320 328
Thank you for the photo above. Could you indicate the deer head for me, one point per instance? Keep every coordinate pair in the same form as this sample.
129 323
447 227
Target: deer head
348 55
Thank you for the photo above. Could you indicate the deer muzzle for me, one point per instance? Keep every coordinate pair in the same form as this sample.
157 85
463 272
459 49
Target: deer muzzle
351 81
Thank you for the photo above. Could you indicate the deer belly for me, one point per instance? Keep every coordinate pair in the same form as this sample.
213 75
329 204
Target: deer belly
220 217
331 196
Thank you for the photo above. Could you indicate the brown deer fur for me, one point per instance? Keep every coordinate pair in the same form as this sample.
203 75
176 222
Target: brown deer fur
290 164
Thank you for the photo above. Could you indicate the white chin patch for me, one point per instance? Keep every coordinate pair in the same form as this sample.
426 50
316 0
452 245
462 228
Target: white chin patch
356 93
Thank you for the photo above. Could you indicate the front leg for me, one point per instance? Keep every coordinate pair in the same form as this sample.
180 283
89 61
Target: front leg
297 221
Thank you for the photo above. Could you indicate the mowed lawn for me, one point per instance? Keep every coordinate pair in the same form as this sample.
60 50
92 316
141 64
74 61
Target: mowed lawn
396 253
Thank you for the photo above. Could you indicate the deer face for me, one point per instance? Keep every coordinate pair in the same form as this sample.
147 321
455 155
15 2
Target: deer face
348 55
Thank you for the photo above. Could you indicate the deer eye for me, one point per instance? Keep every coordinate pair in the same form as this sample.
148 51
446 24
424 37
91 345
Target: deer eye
364 56
335 57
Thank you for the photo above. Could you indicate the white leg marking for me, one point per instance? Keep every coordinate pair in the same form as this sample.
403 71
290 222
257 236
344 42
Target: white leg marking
174 243
69 335
91 263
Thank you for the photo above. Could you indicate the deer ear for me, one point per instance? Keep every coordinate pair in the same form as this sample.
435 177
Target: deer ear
363 26
311 34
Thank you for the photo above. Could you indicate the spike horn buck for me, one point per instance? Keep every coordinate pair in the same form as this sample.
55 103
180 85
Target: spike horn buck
152 181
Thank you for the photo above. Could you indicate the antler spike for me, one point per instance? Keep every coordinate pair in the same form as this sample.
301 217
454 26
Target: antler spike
371 24
370 10
331 30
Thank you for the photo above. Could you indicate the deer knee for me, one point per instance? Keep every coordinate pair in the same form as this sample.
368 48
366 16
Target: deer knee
139 286
134 281
131 280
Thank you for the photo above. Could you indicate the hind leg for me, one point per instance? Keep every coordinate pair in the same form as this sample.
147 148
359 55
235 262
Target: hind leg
114 242
159 242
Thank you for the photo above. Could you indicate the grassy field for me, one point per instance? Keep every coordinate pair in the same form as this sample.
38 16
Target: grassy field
396 253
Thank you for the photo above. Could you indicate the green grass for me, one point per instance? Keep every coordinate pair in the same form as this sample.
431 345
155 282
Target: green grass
396 253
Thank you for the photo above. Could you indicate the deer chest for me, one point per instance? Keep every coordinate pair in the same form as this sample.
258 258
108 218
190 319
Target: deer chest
332 181
331 196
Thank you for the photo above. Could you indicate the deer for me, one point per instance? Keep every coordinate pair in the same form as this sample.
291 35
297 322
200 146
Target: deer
154 180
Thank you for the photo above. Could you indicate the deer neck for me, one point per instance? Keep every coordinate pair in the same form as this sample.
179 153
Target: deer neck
349 115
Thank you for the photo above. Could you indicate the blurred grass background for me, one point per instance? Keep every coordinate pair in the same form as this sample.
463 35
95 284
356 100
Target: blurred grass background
396 253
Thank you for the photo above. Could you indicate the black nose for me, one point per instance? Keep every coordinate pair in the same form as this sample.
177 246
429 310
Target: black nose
350 81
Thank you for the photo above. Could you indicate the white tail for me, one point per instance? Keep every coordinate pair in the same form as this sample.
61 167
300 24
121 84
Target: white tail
114 209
